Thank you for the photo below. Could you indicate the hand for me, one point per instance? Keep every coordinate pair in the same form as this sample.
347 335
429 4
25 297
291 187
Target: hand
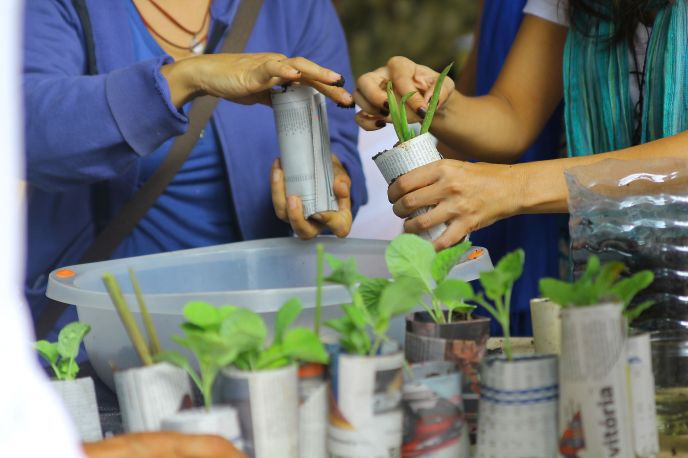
406 76
290 209
162 445
466 197
248 78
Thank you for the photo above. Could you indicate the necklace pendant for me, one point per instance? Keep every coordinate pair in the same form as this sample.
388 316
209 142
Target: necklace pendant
197 47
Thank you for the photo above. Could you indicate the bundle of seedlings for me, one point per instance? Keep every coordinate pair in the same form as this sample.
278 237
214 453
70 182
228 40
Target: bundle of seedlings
78 394
154 391
413 150
518 398
258 380
597 353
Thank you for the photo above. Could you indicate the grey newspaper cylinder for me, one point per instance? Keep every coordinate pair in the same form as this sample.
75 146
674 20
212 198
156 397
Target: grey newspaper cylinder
518 407
268 405
365 412
546 319
313 392
148 394
434 420
219 420
403 158
594 420
79 397
642 390
304 139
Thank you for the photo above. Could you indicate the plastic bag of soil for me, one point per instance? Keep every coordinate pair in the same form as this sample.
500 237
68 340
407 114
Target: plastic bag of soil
636 212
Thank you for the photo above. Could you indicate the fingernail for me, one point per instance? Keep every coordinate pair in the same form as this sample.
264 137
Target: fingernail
339 83
421 112
350 105
380 123
386 105
275 175
384 112
292 203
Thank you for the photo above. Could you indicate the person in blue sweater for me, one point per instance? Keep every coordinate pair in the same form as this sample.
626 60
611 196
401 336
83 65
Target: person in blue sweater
112 129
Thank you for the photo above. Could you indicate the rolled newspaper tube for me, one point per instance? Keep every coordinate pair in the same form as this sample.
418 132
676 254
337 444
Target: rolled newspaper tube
365 417
312 411
642 394
221 421
79 399
403 158
594 420
149 394
304 139
434 422
546 319
518 407
268 405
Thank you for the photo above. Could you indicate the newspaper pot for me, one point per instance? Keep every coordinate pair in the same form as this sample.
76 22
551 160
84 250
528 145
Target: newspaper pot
218 420
268 405
304 139
461 341
593 403
403 158
149 394
365 419
642 395
79 398
312 411
518 407
546 319
434 422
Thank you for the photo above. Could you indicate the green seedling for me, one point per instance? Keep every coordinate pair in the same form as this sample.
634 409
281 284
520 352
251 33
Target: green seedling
598 284
397 109
410 257
498 285
222 336
61 355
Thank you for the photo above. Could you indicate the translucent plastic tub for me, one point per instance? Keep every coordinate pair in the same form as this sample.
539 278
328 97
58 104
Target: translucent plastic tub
259 274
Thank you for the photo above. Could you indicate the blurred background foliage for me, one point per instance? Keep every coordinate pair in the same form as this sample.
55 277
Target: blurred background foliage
432 32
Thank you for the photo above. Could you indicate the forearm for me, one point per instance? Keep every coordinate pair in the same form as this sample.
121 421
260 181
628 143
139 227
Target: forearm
542 185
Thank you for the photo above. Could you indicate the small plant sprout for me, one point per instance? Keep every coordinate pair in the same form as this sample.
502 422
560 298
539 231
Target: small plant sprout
375 301
600 283
222 336
397 109
411 257
61 355
498 285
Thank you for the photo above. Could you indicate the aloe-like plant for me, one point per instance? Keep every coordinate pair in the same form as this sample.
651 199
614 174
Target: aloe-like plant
61 355
397 109
600 283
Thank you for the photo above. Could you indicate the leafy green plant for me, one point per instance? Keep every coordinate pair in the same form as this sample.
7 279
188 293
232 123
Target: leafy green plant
410 257
600 283
222 336
61 355
397 109
498 285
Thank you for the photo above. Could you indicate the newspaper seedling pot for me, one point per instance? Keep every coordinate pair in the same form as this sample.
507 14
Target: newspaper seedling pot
594 420
403 158
149 394
642 395
518 407
304 139
79 397
463 342
313 392
219 420
546 319
434 420
268 406
365 419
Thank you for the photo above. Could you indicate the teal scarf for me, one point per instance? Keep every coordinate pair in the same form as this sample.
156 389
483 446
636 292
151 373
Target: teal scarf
599 110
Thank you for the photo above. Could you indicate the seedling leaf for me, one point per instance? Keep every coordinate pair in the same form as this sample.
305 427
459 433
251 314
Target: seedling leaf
409 256
48 351
69 339
303 344
286 315
202 314
446 259
434 100
400 297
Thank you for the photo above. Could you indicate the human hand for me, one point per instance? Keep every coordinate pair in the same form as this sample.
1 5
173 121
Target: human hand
467 196
406 76
247 78
290 209
162 445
